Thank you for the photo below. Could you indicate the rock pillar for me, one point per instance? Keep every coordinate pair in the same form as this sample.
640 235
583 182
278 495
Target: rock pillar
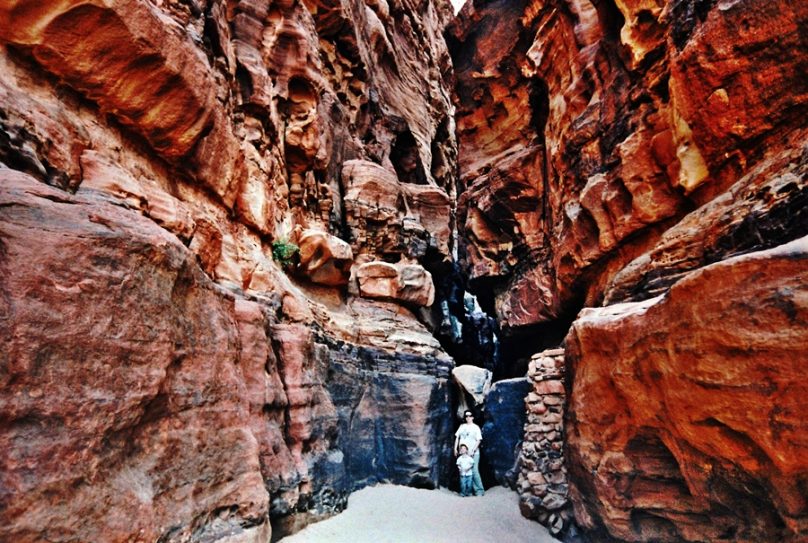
542 484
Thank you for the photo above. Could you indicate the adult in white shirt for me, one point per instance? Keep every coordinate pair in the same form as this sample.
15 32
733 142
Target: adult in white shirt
469 434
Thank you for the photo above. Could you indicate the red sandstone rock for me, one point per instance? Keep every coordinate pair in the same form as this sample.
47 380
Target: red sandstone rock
588 131
221 128
324 259
737 81
389 218
257 402
612 146
689 406
767 202
409 283
48 137
146 195
133 408
147 74
156 81
648 140
528 299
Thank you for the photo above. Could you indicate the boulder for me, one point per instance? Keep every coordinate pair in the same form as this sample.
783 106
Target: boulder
686 417
474 385
388 218
324 259
409 283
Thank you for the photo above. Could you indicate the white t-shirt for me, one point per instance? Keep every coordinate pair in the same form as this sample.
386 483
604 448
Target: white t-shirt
469 434
465 463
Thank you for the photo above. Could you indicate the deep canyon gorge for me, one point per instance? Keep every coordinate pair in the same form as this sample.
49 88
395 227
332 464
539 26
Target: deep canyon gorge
257 255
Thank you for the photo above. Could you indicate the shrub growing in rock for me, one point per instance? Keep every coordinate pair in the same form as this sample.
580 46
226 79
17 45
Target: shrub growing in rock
285 253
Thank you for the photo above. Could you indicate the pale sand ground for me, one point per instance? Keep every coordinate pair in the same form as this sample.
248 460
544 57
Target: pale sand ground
399 514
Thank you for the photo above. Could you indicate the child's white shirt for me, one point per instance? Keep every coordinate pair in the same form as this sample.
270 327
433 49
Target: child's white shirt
465 463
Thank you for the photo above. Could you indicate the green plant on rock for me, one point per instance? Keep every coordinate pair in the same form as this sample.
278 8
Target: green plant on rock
284 252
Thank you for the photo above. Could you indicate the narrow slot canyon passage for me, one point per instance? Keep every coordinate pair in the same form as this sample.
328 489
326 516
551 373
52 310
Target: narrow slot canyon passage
266 265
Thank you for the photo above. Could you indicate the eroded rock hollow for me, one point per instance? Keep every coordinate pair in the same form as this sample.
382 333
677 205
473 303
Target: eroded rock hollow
239 242
638 169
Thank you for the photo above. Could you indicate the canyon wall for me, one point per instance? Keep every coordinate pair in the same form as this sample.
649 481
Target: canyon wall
633 174
226 238
217 225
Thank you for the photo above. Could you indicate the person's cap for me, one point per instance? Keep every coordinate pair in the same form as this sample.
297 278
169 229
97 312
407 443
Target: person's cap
467 414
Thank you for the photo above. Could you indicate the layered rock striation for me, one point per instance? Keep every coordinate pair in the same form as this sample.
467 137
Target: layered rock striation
642 165
587 129
189 350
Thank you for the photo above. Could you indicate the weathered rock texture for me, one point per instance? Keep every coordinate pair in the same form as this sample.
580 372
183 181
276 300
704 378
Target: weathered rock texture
129 380
588 128
646 161
688 409
163 378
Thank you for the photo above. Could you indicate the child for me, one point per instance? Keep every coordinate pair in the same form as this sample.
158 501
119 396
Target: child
464 464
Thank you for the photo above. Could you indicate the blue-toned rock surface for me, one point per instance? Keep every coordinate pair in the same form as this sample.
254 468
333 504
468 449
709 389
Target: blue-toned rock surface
504 427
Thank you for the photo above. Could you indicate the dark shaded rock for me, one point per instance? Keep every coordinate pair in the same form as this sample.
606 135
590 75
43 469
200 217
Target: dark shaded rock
504 428
394 418
465 331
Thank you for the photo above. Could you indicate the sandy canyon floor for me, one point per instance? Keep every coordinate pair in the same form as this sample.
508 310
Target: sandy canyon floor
389 513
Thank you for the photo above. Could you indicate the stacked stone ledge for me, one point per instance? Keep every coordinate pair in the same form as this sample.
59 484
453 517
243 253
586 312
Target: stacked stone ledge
542 483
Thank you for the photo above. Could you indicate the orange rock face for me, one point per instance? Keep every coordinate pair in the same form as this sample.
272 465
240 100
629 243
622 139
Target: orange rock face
586 128
642 165
690 406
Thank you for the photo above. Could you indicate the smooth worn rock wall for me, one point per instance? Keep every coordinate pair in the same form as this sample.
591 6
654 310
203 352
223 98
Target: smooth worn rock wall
136 399
642 165
687 409
173 369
